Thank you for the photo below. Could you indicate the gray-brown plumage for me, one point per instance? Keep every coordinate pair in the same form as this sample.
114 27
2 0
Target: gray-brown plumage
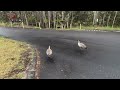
49 52
81 45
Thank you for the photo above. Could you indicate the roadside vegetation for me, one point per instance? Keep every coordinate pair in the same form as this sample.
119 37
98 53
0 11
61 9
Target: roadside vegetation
73 28
14 58
61 20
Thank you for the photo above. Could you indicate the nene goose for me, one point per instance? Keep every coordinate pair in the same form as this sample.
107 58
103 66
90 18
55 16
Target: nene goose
49 52
82 45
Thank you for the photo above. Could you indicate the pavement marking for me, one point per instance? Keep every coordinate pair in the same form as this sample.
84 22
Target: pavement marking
117 31
98 31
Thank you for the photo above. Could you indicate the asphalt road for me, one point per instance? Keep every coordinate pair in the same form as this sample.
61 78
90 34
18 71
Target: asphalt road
100 61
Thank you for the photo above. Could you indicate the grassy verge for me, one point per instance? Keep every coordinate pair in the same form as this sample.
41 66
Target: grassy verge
18 25
101 28
14 57
74 28
93 28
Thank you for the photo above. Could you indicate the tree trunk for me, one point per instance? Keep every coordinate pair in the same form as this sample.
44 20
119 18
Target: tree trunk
62 18
41 19
49 16
57 21
44 19
103 19
108 20
95 17
114 19
54 18
68 20
71 20
26 18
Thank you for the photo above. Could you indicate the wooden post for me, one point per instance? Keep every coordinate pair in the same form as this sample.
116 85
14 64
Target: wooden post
80 26
70 26
56 26
67 25
11 24
23 25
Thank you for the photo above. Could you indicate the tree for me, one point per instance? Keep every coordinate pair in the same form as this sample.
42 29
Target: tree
26 19
108 19
95 18
49 16
114 18
52 19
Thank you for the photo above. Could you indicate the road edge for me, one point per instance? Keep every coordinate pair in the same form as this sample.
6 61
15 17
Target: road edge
33 68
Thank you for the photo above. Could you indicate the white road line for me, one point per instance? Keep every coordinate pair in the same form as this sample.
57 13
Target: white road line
117 31
104 31
98 31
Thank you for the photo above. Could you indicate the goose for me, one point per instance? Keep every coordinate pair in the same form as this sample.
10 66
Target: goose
82 45
49 51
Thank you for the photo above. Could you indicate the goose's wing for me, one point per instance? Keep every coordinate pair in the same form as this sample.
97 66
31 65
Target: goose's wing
82 45
79 44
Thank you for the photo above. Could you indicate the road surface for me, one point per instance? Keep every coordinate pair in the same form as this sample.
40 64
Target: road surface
100 61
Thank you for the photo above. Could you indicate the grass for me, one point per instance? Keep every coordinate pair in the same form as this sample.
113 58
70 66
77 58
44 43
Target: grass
18 25
101 28
74 28
93 28
12 62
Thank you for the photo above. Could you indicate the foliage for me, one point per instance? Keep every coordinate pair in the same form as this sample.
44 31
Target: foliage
74 18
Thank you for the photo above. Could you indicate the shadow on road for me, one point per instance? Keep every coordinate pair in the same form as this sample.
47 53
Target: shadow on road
50 59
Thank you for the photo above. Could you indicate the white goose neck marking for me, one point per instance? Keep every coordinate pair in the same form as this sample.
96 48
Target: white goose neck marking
49 47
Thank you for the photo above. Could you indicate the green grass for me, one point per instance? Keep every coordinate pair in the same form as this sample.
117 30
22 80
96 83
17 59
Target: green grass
101 28
73 28
92 28
12 63
17 25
